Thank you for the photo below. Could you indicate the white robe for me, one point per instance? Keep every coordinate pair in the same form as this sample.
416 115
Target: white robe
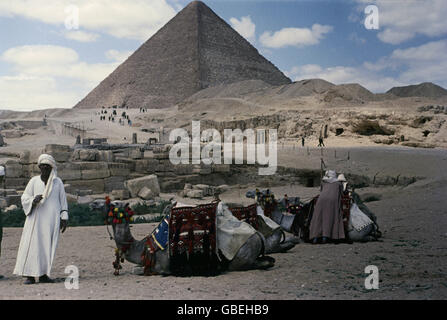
41 230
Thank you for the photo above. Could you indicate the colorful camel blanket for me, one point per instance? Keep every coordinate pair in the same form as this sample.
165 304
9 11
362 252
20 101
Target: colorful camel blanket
161 234
231 233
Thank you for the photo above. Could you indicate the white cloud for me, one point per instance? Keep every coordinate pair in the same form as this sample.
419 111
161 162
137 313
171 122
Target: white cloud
35 55
245 27
51 76
400 21
137 19
119 56
55 61
295 36
81 36
427 62
25 93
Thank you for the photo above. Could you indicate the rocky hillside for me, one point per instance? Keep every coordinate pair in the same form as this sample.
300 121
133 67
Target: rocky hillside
425 89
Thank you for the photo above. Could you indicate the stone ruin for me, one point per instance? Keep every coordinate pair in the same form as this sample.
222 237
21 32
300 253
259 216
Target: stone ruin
122 173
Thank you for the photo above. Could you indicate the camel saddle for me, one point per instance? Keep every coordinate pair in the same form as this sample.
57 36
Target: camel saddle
192 240
246 214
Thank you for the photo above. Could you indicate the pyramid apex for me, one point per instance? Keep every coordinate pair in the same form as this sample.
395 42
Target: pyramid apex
196 3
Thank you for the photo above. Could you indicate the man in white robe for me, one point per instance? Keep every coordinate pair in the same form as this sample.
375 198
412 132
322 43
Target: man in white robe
45 205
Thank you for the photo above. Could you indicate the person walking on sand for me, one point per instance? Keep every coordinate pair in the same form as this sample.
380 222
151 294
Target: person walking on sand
302 141
45 205
320 142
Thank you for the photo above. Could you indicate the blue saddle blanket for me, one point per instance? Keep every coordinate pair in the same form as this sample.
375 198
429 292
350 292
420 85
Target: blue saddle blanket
161 233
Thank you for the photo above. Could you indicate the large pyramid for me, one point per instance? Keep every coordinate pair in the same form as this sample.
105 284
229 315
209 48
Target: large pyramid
195 50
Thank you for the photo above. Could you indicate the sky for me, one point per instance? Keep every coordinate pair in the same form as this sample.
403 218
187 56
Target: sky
54 52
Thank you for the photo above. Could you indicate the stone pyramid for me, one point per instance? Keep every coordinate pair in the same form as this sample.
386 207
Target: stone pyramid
195 50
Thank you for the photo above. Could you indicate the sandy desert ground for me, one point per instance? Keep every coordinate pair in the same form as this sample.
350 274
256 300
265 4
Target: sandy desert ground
411 256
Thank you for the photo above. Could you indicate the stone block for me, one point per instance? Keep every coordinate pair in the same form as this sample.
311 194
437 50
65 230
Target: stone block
119 169
223 168
182 169
135 153
106 156
146 193
31 170
60 153
30 156
14 170
222 188
7 192
146 165
69 171
114 183
96 185
88 155
165 165
94 170
120 194
171 185
195 194
16 183
161 156
202 169
57 148
206 189
135 185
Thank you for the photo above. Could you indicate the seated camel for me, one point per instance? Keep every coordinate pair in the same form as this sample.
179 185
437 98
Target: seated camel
239 246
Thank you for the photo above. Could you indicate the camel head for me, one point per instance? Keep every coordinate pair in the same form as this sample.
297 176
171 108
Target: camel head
119 216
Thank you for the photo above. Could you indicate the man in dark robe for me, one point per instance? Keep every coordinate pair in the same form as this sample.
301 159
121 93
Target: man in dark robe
327 220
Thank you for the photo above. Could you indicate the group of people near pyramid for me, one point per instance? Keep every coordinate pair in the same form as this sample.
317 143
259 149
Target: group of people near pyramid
45 206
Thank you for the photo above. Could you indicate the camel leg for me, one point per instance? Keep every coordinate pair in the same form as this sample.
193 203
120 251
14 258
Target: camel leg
273 243
248 256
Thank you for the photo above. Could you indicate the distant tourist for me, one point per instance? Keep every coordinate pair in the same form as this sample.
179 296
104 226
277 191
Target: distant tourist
45 205
320 142
302 141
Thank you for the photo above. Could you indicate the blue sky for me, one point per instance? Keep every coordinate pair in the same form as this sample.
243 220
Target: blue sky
44 64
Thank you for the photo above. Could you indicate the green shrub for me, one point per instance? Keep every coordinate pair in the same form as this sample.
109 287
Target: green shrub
79 215
82 215
13 218
147 209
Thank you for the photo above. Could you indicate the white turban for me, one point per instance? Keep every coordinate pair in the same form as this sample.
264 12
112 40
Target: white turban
48 159
330 176
342 179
